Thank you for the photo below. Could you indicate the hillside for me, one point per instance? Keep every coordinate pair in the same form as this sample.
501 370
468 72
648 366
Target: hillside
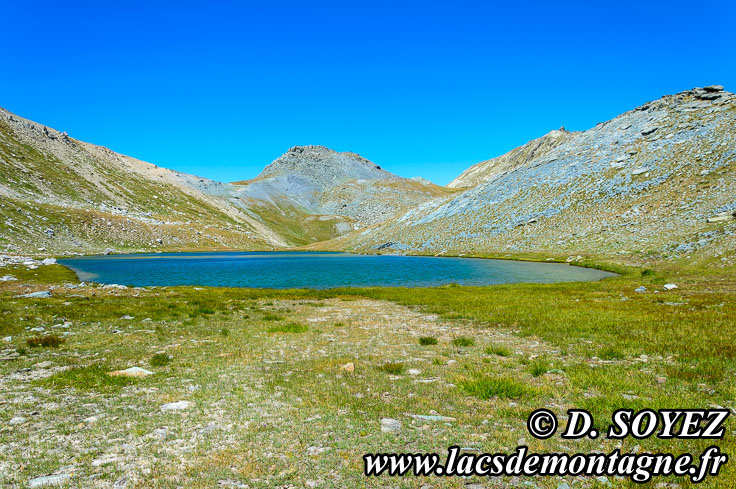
485 170
312 193
655 182
65 195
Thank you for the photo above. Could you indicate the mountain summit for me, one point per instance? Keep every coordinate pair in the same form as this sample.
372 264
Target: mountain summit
327 193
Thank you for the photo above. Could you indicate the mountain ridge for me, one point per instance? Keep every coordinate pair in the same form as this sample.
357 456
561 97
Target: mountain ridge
654 182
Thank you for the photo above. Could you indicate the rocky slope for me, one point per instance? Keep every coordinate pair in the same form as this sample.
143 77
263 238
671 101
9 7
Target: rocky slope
485 170
312 193
65 195
657 181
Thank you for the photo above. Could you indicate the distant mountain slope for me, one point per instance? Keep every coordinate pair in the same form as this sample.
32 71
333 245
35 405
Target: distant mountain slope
312 193
522 155
62 194
657 181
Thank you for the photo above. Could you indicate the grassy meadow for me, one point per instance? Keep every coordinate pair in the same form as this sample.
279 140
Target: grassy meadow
287 388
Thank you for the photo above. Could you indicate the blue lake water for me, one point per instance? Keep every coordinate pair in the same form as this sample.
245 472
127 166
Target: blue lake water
315 270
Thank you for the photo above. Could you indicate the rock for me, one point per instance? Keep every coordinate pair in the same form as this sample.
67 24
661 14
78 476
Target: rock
131 372
229 483
49 480
713 88
720 217
427 417
604 480
17 420
629 397
647 132
105 460
314 451
413 371
563 485
640 170
669 286
41 294
641 289
661 380
127 318
48 261
349 367
389 425
176 406
161 433
121 483
7 278
8 339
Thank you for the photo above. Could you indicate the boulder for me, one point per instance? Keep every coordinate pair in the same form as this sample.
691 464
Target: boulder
389 425
41 294
176 406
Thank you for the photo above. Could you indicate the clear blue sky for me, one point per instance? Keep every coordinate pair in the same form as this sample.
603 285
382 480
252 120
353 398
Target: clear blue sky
220 89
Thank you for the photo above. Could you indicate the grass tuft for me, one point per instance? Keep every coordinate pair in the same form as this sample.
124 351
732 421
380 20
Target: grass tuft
463 341
160 360
91 378
47 341
288 328
427 340
499 350
489 387
393 368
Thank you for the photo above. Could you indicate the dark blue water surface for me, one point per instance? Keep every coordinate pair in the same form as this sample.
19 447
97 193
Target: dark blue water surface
315 270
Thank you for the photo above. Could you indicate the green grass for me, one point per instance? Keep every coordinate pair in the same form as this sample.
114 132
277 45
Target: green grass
392 368
612 354
427 340
288 328
160 360
484 387
498 350
89 378
272 317
463 341
539 366
47 341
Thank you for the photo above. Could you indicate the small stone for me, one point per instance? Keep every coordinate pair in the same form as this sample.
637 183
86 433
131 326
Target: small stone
131 372
48 261
121 483
661 380
41 294
641 289
413 371
161 433
389 425
669 286
425 417
563 485
126 317
17 420
720 217
8 339
48 480
604 480
348 367
176 406
7 278
640 170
